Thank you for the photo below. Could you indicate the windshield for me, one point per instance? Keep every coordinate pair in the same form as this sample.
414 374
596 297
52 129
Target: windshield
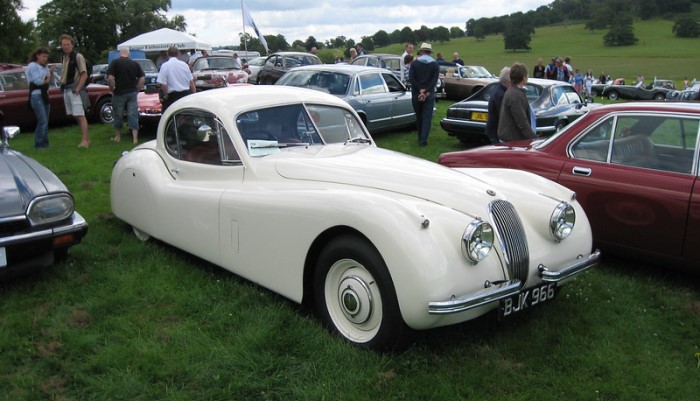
215 63
474 72
147 65
266 131
329 82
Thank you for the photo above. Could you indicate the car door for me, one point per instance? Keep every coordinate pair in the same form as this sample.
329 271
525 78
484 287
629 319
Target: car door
203 164
633 197
376 100
402 112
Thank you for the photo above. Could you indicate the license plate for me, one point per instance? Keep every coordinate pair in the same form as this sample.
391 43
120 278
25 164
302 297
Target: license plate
478 116
527 299
3 257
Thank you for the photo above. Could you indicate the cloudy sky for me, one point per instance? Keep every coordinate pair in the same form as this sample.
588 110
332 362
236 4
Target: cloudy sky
219 22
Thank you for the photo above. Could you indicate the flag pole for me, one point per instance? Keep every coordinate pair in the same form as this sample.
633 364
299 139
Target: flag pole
245 38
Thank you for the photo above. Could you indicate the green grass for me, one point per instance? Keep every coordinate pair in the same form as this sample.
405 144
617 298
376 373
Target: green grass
125 320
658 52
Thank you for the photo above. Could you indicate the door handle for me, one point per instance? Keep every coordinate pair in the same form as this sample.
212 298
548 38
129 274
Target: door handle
584 171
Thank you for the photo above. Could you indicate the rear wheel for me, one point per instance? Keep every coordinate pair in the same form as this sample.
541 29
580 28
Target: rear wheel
659 96
613 95
104 111
355 295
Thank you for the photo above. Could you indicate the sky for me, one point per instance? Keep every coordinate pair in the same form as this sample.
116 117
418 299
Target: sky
218 22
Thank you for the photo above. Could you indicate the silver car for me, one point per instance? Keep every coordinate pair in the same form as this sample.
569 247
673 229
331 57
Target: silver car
380 99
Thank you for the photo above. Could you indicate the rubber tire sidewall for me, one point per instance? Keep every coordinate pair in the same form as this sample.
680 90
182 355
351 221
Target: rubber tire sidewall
393 331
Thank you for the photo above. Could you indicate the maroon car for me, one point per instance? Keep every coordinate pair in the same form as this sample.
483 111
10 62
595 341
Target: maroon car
634 167
14 96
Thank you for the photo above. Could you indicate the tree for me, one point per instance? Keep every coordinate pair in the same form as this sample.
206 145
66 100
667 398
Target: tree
601 18
17 39
98 25
299 45
440 34
518 33
686 27
456 32
621 33
407 35
310 43
339 42
381 38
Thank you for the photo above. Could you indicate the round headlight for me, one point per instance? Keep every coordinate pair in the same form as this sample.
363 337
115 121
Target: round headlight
562 221
477 240
50 209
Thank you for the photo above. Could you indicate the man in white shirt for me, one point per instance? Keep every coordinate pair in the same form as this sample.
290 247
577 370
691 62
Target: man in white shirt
175 79
408 49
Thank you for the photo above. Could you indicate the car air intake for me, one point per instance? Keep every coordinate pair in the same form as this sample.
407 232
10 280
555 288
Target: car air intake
511 235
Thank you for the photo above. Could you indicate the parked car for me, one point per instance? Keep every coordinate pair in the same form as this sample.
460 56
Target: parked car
279 63
211 72
392 62
556 104
688 94
14 96
634 168
378 97
462 81
150 106
98 74
38 221
285 187
634 92
254 65
150 71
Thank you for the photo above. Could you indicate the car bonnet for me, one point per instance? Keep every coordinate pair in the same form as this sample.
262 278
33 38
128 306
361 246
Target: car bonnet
21 180
381 169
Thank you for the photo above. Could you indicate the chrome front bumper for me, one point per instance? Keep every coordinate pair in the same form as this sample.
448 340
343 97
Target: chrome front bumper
505 289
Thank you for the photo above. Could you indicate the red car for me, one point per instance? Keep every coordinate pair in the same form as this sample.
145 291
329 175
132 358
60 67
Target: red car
14 96
634 167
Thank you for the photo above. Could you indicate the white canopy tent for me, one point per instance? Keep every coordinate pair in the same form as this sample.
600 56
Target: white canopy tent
162 39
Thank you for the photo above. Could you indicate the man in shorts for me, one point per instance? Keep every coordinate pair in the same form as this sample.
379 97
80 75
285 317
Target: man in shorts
74 77
125 78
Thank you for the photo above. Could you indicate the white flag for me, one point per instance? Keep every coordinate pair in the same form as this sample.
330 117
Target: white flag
248 20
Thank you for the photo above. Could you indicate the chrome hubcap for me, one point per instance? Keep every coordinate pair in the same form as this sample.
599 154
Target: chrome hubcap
355 299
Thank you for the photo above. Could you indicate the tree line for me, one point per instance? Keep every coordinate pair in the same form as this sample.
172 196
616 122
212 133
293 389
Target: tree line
97 25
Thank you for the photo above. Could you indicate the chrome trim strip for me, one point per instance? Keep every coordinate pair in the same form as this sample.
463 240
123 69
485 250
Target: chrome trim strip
476 299
78 224
578 266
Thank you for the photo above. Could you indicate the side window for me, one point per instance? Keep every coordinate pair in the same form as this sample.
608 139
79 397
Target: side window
664 143
392 83
594 145
197 136
372 84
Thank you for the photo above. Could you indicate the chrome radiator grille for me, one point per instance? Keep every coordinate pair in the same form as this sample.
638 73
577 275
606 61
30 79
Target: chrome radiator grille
511 235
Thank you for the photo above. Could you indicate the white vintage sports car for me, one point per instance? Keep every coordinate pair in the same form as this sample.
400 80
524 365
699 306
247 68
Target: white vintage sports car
285 187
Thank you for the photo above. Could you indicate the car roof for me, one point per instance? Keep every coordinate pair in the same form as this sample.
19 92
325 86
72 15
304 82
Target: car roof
234 100
671 107
342 68
292 54
379 55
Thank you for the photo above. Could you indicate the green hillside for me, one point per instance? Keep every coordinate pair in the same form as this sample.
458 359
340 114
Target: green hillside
658 52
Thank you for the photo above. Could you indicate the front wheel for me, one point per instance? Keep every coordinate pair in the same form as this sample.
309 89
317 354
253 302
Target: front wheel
355 295
659 96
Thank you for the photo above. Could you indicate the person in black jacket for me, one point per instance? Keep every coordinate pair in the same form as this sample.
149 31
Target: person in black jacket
495 102
423 76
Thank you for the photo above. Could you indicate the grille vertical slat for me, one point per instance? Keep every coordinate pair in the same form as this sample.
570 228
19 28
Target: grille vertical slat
510 232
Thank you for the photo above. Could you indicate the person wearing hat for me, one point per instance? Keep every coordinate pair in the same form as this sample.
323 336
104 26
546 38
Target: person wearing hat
423 76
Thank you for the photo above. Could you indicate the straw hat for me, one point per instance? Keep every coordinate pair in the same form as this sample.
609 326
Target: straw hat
426 47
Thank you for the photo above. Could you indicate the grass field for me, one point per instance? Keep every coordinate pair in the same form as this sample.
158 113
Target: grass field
126 320
658 52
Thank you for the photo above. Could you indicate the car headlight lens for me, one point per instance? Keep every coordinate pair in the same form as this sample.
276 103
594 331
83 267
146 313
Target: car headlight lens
477 240
50 209
562 222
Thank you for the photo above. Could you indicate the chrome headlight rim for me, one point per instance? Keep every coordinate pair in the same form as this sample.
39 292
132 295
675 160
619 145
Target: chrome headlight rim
562 221
478 240
50 209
